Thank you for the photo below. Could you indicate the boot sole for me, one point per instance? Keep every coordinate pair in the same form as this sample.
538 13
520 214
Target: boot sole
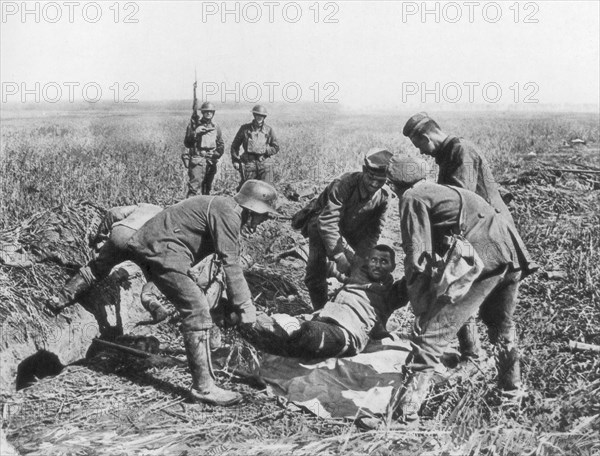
206 400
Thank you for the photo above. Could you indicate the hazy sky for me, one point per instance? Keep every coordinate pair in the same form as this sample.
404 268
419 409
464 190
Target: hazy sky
383 53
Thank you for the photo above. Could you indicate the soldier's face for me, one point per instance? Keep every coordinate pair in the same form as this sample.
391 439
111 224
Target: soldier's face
259 119
424 144
254 220
208 115
372 182
380 264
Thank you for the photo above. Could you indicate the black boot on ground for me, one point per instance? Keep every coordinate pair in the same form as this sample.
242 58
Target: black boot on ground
416 389
509 368
468 341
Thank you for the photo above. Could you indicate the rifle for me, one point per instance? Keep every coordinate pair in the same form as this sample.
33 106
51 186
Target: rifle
195 116
154 360
185 157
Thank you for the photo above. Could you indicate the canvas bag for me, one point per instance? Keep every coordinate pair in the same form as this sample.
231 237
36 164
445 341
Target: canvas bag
455 272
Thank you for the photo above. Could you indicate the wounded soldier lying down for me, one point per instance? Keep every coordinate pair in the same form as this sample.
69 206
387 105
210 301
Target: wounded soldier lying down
359 310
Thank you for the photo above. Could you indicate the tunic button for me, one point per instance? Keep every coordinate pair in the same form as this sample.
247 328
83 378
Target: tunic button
480 215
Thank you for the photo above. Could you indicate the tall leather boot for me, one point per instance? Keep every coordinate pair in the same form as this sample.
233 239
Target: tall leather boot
508 366
69 293
416 389
318 297
468 340
203 385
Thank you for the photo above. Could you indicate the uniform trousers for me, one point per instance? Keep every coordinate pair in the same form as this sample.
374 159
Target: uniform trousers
494 296
201 174
171 281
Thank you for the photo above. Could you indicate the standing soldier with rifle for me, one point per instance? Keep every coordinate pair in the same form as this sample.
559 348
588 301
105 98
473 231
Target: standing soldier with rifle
259 142
205 144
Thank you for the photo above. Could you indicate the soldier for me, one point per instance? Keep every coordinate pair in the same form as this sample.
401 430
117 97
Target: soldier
170 243
115 229
428 213
460 164
259 143
345 223
206 147
359 311
459 161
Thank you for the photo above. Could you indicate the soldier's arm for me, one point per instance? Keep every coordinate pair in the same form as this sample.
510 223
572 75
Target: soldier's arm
190 136
220 149
415 227
462 173
379 217
338 192
225 226
235 145
272 144
399 295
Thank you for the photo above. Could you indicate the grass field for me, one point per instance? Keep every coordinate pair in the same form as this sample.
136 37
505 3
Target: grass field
122 157
115 158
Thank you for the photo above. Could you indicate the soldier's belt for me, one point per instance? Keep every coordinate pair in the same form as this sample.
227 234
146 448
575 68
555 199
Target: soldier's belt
201 153
252 157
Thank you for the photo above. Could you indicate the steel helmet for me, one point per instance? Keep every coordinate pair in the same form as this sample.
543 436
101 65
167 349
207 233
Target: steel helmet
260 110
257 196
406 170
207 106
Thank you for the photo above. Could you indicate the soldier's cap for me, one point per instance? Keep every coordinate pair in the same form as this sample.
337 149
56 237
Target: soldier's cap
404 170
377 160
258 196
260 110
414 123
207 106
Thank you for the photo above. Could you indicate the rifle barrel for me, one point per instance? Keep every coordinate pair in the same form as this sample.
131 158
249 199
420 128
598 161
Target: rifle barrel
123 348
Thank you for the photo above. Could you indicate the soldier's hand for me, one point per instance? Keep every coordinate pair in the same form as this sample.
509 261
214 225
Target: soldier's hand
247 314
201 129
342 264
349 253
236 166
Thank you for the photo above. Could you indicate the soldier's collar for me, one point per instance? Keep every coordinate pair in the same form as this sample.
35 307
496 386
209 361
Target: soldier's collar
446 145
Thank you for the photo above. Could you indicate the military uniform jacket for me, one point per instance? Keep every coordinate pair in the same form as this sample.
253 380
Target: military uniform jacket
183 234
201 143
429 211
255 140
461 165
363 307
345 210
